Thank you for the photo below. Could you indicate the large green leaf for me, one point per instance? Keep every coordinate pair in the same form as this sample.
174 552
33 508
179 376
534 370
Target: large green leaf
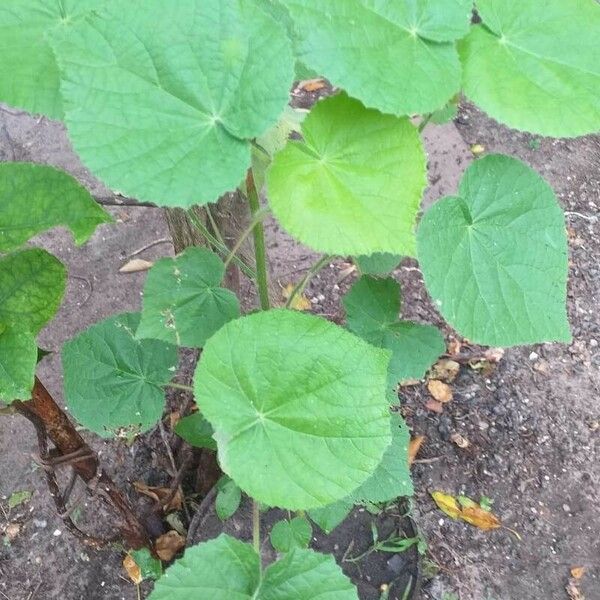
372 307
34 198
354 185
227 569
113 381
536 69
397 56
494 258
298 406
160 102
18 358
29 77
32 285
183 301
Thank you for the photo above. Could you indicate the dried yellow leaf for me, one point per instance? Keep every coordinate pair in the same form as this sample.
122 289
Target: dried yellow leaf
414 447
577 572
447 504
300 301
483 519
168 545
132 569
439 390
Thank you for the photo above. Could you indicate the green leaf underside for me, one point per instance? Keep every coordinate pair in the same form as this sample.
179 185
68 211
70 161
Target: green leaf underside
196 431
18 358
330 516
295 533
397 56
354 185
29 77
228 498
32 285
380 263
533 70
183 301
113 380
494 258
161 109
372 306
34 198
298 405
227 569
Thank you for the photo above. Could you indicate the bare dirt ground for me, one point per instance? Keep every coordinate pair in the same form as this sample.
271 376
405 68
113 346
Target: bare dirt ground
533 423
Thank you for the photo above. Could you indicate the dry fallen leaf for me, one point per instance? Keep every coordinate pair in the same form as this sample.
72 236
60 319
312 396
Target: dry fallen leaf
434 406
132 569
300 302
168 545
174 418
445 370
414 447
312 85
12 531
135 266
494 354
454 347
483 519
447 504
440 391
573 591
161 495
460 441
577 572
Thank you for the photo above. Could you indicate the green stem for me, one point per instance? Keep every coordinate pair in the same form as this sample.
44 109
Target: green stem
259 244
299 289
256 526
425 121
214 225
180 386
256 219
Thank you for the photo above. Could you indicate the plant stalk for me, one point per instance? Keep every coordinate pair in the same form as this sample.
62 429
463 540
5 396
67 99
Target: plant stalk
256 526
299 289
257 218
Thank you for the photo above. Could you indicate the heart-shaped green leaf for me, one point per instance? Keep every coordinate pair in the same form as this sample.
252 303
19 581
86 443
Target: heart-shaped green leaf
372 306
379 263
160 102
228 498
227 569
536 70
298 405
330 516
354 185
394 55
34 198
494 258
183 301
113 381
295 533
29 77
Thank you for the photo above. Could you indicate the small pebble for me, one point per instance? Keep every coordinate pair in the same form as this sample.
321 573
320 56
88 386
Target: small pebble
534 356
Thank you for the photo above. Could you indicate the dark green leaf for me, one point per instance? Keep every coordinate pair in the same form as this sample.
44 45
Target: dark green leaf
196 431
228 499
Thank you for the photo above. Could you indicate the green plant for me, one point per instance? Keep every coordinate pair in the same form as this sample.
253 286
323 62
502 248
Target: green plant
176 103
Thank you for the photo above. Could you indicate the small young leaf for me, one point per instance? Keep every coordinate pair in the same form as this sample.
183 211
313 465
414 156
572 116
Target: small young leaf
372 307
536 71
183 303
286 535
494 258
113 381
196 431
18 498
330 516
150 567
34 198
354 185
298 405
228 499
380 263
164 114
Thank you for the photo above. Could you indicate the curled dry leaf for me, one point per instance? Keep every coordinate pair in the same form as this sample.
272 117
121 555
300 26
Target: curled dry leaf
445 369
168 545
573 591
174 418
300 302
414 447
312 85
483 519
454 347
447 504
577 572
494 354
434 406
161 495
460 441
135 265
132 569
440 391
12 531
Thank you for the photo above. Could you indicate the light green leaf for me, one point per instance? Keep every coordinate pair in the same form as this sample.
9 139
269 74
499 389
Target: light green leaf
18 358
228 498
18 498
183 303
113 381
330 516
391 479
34 198
196 431
227 569
397 56
298 405
221 569
295 533
372 306
32 285
380 263
354 185
446 114
536 70
160 103
29 77
494 258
